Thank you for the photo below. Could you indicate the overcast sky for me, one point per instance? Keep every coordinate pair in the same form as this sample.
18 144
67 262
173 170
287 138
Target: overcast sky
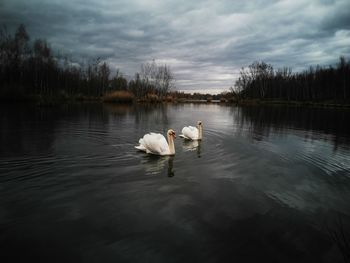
204 42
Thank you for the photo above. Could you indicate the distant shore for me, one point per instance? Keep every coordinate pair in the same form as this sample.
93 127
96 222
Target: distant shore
57 100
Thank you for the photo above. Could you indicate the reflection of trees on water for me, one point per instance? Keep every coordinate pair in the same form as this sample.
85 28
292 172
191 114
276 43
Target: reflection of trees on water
156 164
19 130
140 113
155 112
29 129
118 109
327 123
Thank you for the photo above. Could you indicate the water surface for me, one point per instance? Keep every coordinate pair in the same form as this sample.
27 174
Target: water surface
265 183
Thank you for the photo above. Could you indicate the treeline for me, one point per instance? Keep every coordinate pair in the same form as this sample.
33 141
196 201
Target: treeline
317 84
226 96
30 68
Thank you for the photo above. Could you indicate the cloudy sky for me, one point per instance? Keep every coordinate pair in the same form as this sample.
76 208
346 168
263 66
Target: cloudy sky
204 42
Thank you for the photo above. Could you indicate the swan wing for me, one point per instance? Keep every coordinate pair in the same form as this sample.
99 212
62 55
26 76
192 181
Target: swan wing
155 143
190 132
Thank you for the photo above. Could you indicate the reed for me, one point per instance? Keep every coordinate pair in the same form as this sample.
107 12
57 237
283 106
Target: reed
121 96
150 98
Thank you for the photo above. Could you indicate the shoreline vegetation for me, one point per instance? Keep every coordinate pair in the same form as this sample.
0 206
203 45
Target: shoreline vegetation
52 101
31 72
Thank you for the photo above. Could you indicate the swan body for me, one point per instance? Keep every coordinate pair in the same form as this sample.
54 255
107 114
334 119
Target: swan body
192 133
155 143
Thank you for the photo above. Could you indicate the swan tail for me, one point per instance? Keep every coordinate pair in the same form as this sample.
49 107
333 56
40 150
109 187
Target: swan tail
185 137
141 148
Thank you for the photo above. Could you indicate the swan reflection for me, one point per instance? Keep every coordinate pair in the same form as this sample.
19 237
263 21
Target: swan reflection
171 166
189 145
156 165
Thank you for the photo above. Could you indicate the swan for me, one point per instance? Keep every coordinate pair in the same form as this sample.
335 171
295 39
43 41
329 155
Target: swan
192 133
155 143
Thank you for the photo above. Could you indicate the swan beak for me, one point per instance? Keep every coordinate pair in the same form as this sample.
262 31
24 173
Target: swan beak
171 133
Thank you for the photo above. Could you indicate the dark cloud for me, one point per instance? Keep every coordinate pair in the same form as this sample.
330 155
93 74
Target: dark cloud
338 21
205 42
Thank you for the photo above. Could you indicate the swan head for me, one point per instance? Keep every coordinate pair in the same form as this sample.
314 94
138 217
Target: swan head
172 133
200 130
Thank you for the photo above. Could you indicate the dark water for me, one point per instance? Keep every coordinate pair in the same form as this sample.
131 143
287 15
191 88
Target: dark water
267 184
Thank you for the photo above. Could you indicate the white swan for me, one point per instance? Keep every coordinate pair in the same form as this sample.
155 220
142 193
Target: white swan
155 143
193 133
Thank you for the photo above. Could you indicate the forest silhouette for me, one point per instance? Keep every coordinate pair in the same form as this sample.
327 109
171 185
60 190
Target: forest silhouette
31 70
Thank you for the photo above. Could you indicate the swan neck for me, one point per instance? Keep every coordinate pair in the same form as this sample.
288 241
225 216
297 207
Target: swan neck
171 145
200 132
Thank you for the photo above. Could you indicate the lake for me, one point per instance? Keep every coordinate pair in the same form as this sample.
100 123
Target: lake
266 183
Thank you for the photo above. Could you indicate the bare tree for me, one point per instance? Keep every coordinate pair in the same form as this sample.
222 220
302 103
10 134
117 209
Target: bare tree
260 81
156 78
